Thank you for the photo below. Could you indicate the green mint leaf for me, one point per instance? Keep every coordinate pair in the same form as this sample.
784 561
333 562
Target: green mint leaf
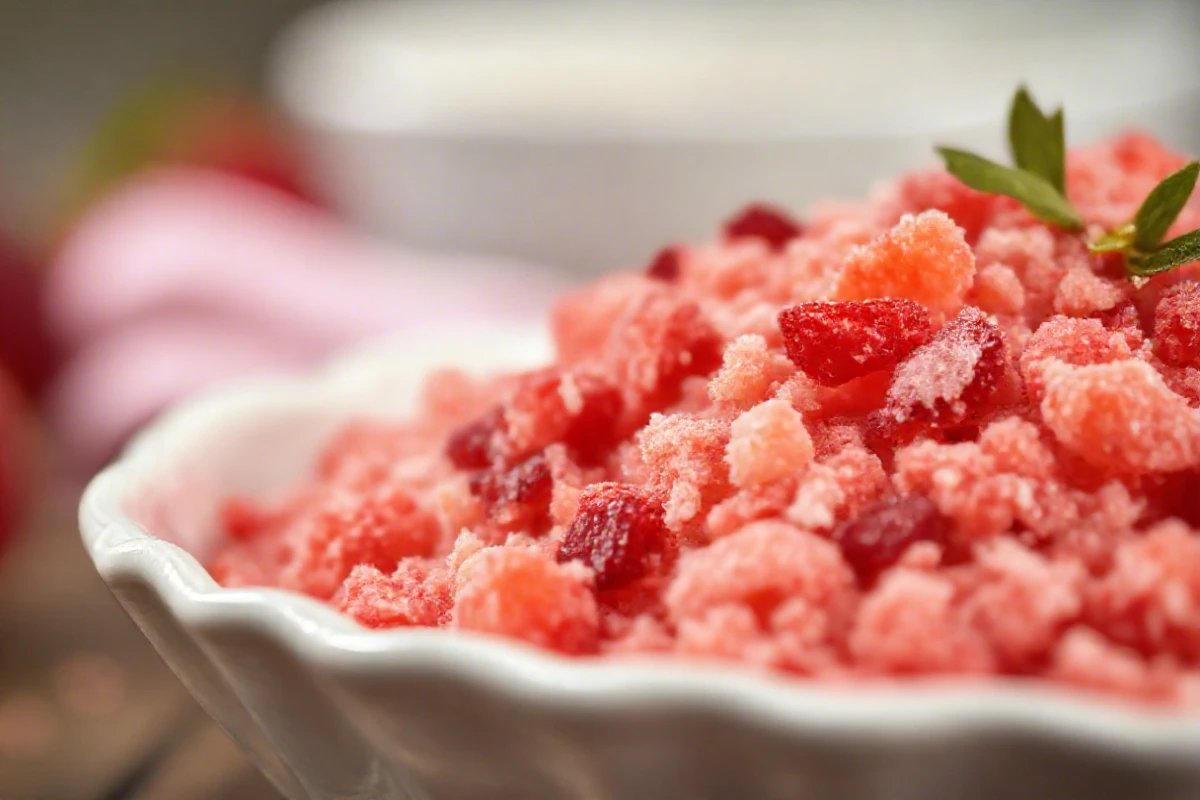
1037 141
1059 178
1180 250
1162 206
1035 193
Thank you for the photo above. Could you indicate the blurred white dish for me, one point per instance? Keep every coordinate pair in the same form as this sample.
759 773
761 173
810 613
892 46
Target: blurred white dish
330 710
585 134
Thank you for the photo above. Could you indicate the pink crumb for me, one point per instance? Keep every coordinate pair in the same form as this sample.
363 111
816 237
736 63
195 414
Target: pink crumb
523 593
1072 341
1121 414
768 443
408 596
1083 292
655 345
997 290
748 373
1024 602
911 624
687 459
760 565
1177 326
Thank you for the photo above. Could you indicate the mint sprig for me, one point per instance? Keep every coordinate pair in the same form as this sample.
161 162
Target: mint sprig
1037 180
1037 194
1038 183
1140 241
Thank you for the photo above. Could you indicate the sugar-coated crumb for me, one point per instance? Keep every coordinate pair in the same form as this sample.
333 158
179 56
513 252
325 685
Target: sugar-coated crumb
1150 600
1023 601
1030 253
768 443
686 459
950 381
1083 292
1073 341
924 258
759 566
522 593
409 596
1177 326
749 371
921 434
1121 415
997 290
910 623
837 488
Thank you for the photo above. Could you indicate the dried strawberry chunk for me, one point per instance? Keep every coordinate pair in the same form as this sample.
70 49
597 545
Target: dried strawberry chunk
518 495
1177 492
878 537
472 446
770 225
949 381
665 266
616 531
834 343
1177 325
595 429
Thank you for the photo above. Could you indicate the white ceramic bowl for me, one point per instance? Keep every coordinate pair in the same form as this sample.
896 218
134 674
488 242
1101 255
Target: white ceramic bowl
585 133
330 710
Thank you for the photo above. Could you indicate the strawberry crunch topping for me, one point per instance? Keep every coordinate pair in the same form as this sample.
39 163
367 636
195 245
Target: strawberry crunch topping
952 430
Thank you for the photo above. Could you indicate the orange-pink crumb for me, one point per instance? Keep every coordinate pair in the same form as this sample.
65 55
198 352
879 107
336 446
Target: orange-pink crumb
919 435
923 258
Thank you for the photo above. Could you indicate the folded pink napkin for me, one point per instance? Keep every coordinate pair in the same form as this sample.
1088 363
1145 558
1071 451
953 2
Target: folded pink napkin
183 277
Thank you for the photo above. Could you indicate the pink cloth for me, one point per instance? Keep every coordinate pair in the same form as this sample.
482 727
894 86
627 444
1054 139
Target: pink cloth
183 278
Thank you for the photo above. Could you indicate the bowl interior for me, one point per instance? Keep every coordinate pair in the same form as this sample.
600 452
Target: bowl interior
263 437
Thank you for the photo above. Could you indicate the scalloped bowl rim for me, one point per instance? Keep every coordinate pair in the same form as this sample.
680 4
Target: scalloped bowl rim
122 548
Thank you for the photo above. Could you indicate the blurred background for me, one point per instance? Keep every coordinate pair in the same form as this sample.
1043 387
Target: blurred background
192 191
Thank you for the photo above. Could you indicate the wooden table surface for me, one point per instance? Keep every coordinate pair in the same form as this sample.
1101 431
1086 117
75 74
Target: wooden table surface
87 709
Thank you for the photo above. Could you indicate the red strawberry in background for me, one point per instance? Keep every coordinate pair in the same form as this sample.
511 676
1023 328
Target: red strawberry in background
190 123
27 352
28 360
19 458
